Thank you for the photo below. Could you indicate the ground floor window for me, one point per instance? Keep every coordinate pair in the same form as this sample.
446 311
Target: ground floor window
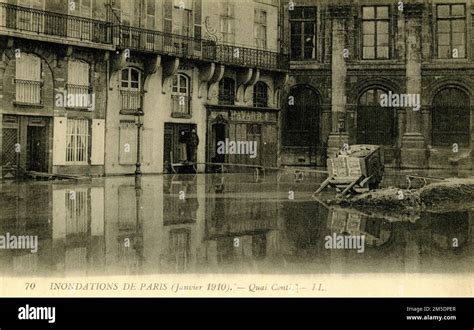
450 118
77 150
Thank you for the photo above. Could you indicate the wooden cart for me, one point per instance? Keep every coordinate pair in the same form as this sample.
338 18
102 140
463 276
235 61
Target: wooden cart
359 168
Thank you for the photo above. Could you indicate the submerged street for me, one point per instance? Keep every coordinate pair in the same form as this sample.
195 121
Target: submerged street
217 223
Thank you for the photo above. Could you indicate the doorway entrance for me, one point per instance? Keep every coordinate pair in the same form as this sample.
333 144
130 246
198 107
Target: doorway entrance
36 149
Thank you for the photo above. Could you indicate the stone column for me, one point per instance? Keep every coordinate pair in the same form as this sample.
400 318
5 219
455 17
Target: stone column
339 135
413 149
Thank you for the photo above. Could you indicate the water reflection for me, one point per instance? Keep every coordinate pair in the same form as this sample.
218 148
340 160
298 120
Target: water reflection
214 223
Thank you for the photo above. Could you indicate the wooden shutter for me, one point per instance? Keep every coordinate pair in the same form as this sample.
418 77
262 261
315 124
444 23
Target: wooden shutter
98 141
59 141
167 21
197 24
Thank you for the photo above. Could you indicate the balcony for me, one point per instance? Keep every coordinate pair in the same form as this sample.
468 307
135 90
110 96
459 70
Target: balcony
244 56
130 102
28 92
180 106
79 97
138 39
33 23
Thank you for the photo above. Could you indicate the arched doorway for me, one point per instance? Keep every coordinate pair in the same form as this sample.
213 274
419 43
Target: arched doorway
375 124
301 121
450 118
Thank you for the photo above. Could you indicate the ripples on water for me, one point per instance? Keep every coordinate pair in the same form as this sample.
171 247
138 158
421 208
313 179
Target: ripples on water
216 224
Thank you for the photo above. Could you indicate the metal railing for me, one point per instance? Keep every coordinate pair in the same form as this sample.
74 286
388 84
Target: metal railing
54 24
28 91
78 96
180 105
130 101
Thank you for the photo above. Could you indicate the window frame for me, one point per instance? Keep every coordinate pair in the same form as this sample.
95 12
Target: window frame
260 24
27 79
301 21
450 19
257 99
227 21
226 95
78 85
130 91
177 94
388 20
72 133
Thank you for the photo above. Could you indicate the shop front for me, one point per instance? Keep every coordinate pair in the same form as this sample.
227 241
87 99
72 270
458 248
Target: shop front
238 135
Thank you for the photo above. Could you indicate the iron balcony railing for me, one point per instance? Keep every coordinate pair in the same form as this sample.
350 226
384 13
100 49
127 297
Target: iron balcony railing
28 91
130 101
79 96
139 39
180 106
42 22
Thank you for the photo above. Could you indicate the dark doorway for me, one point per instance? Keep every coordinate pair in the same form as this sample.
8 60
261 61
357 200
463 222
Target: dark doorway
218 133
36 152
176 139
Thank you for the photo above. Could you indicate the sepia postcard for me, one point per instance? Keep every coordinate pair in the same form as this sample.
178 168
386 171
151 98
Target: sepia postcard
236 148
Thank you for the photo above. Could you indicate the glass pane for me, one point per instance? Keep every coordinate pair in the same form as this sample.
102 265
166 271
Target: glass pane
295 28
443 27
368 28
457 10
382 12
368 12
369 52
458 25
309 53
182 82
369 40
458 39
382 39
296 52
309 41
134 75
444 52
310 12
297 12
309 28
443 39
134 85
443 11
461 51
382 27
124 74
175 81
382 52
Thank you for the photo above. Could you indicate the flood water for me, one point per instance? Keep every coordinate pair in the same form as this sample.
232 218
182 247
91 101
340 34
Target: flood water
216 224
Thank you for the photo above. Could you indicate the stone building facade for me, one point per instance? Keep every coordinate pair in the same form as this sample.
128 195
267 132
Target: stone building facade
79 77
345 55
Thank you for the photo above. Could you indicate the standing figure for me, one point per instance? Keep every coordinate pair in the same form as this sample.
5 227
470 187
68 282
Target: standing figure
191 146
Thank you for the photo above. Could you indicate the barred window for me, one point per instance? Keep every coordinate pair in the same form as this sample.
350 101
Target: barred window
78 84
451 31
260 28
375 32
77 139
303 33
227 22
260 94
28 79
227 91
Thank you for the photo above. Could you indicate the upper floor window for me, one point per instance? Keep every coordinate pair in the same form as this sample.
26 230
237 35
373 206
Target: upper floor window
260 95
303 33
227 22
451 31
260 28
28 79
375 32
180 95
78 84
227 91
130 89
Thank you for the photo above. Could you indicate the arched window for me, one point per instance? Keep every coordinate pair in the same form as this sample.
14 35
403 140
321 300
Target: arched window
227 91
180 95
450 118
375 123
260 95
28 81
301 121
130 89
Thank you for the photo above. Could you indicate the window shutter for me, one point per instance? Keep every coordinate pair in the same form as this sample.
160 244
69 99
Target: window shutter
98 141
197 24
168 16
59 141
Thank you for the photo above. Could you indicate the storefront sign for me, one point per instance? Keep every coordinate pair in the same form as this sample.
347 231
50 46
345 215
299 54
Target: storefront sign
252 116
